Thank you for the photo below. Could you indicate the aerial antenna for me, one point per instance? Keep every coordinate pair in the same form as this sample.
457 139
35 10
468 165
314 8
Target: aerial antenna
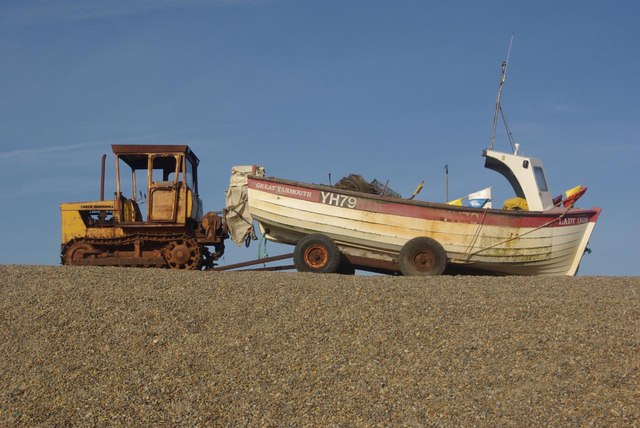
498 108
446 183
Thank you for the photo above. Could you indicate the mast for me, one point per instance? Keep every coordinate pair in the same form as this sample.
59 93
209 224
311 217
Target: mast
498 108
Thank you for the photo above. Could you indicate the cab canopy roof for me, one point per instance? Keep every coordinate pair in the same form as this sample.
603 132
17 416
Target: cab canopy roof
136 155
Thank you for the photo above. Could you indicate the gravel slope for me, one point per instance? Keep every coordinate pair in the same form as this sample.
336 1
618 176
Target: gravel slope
133 347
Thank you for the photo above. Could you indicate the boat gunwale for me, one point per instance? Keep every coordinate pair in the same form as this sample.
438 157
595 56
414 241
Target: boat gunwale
592 213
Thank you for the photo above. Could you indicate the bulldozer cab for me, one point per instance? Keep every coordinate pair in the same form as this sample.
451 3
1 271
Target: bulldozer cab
156 184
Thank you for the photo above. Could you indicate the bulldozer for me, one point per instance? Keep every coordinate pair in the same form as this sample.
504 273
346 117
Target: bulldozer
154 220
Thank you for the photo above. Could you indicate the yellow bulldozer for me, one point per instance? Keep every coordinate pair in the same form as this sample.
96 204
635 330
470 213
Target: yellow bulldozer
154 220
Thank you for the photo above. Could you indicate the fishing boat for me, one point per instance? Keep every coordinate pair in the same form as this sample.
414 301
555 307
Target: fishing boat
339 230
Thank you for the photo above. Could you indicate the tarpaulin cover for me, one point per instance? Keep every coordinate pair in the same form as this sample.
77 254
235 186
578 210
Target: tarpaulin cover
238 218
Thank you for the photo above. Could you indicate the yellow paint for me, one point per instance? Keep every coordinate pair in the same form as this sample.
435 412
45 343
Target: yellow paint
90 205
183 209
162 202
105 232
128 211
73 226
190 213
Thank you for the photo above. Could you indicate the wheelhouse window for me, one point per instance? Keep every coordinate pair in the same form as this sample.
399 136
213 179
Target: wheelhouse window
541 181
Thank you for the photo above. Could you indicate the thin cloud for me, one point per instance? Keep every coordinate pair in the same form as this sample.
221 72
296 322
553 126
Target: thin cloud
125 140
54 149
43 150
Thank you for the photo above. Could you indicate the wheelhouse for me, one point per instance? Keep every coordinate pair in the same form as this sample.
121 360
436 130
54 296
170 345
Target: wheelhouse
526 176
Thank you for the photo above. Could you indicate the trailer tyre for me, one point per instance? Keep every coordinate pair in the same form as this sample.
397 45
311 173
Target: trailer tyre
346 268
317 253
422 256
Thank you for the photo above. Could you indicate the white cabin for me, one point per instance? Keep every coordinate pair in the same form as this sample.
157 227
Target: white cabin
526 176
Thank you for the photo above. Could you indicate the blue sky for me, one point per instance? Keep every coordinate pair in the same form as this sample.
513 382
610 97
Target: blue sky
387 89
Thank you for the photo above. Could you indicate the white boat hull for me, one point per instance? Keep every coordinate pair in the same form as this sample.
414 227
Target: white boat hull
374 228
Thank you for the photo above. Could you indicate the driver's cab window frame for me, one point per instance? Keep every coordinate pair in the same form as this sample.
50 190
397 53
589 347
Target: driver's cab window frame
126 183
126 191
190 175
168 178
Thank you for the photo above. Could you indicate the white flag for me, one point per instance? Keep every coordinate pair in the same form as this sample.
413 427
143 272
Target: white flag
481 198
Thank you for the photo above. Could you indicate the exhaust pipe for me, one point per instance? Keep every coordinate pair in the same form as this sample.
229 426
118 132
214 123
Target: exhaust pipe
104 158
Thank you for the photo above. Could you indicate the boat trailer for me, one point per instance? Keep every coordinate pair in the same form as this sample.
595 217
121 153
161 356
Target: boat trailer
240 266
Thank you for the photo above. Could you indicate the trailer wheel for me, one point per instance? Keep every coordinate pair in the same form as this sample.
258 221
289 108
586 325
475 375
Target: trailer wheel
316 253
346 268
422 256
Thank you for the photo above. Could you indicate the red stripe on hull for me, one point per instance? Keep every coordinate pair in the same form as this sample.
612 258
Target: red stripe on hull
422 210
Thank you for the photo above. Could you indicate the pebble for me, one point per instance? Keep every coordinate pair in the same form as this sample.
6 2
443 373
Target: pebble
139 347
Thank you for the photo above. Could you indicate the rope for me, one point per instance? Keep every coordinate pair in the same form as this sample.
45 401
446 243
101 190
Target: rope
506 127
250 233
232 208
476 235
470 254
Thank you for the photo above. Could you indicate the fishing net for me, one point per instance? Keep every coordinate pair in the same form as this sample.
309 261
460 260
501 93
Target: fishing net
357 183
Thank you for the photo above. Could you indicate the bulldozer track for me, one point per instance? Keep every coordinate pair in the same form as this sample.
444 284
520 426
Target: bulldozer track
170 249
